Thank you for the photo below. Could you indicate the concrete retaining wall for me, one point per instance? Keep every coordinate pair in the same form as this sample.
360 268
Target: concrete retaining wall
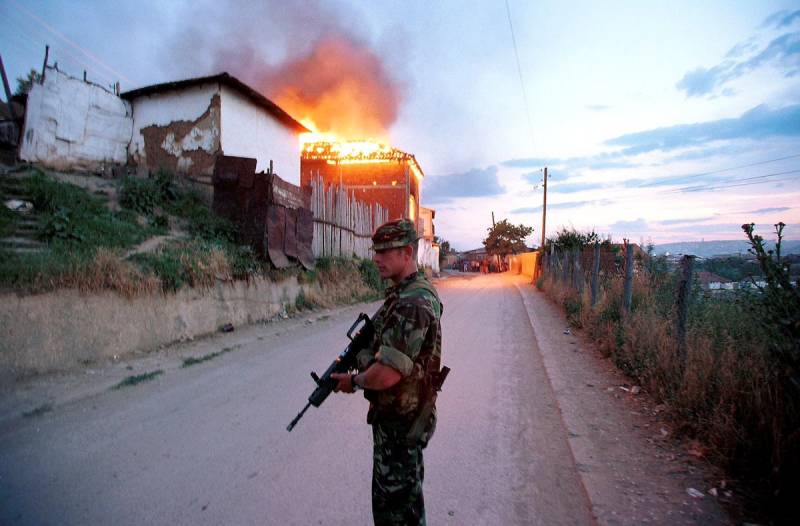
60 330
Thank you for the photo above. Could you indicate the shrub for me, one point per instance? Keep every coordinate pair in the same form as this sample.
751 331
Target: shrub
371 275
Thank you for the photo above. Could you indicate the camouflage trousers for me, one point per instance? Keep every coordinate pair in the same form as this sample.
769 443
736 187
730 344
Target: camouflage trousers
397 475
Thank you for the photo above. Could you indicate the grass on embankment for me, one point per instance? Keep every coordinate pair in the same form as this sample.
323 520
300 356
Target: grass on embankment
88 239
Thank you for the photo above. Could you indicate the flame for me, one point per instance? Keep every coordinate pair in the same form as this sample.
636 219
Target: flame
339 89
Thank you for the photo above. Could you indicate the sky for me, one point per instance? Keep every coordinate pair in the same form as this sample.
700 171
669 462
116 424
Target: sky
657 121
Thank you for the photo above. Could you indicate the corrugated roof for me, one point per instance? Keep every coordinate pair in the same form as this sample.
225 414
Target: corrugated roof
227 80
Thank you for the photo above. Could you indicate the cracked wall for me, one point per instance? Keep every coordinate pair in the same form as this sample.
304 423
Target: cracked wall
178 131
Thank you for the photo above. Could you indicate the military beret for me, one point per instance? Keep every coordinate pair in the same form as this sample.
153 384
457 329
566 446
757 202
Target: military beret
394 234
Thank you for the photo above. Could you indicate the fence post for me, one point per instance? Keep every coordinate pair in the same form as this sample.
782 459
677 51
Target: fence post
595 272
627 298
684 294
577 272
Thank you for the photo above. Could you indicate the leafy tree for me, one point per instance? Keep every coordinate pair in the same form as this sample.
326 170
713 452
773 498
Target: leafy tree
570 239
24 84
444 248
506 238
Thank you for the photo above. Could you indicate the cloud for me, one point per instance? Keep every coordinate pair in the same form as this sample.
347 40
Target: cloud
532 162
575 187
526 210
473 183
667 222
605 162
782 51
757 123
537 176
637 225
554 206
781 18
597 107
768 210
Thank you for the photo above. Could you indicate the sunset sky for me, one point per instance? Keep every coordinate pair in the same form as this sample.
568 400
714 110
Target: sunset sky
660 121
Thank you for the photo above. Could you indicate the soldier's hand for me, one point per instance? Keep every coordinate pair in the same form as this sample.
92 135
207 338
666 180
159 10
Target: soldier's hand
345 384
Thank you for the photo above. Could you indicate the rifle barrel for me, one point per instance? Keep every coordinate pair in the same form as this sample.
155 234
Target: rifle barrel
297 418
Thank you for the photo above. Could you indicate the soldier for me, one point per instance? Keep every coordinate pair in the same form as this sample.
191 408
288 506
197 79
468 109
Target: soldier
396 374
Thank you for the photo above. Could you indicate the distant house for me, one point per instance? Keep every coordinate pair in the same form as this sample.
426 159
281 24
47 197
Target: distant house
184 125
713 282
428 253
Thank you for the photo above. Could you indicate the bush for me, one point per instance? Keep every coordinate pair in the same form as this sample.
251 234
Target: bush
145 195
371 275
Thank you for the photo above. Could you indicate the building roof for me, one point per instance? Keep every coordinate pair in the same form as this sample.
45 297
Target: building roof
224 79
705 278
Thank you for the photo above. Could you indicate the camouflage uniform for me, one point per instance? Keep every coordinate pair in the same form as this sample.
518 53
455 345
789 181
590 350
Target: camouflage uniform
408 338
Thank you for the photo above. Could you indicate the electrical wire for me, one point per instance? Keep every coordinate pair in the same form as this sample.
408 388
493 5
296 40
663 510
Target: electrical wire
519 72
73 44
703 188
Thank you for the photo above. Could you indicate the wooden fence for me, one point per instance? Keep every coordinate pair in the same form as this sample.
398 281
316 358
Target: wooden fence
570 268
343 226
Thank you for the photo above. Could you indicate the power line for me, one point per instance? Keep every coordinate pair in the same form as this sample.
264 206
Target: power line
701 188
749 181
87 53
519 72
699 174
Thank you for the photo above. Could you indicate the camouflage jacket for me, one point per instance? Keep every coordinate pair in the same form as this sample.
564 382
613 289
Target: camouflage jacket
408 338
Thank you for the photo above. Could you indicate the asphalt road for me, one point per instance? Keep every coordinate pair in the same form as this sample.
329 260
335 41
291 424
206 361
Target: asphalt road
208 444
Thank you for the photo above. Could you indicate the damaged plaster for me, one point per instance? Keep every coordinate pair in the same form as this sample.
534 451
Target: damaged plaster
184 146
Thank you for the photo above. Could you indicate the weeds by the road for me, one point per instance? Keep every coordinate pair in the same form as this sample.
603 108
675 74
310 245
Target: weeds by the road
137 379
188 362
735 390
38 411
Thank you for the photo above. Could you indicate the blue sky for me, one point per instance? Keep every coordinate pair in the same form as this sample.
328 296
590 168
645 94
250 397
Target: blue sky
659 121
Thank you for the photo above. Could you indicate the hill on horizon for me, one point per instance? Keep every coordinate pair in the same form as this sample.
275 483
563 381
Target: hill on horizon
721 247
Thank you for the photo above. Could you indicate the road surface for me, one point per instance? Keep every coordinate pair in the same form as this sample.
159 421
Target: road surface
530 431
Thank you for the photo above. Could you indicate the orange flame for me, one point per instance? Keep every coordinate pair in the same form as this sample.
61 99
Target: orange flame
340 88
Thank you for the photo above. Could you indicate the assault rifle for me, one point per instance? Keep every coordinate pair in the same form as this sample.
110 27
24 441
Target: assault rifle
345 362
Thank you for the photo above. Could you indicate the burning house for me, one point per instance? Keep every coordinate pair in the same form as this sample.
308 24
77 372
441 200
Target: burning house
373 172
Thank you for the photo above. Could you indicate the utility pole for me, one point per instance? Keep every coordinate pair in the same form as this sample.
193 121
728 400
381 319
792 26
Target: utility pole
544 206
493 219
11 104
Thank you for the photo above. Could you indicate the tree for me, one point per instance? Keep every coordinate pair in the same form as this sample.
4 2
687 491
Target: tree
505 238
24 84
444 248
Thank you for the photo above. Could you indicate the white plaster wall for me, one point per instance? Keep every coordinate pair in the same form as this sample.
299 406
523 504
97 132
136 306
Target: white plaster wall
71 124
161 109
250 131
428 255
